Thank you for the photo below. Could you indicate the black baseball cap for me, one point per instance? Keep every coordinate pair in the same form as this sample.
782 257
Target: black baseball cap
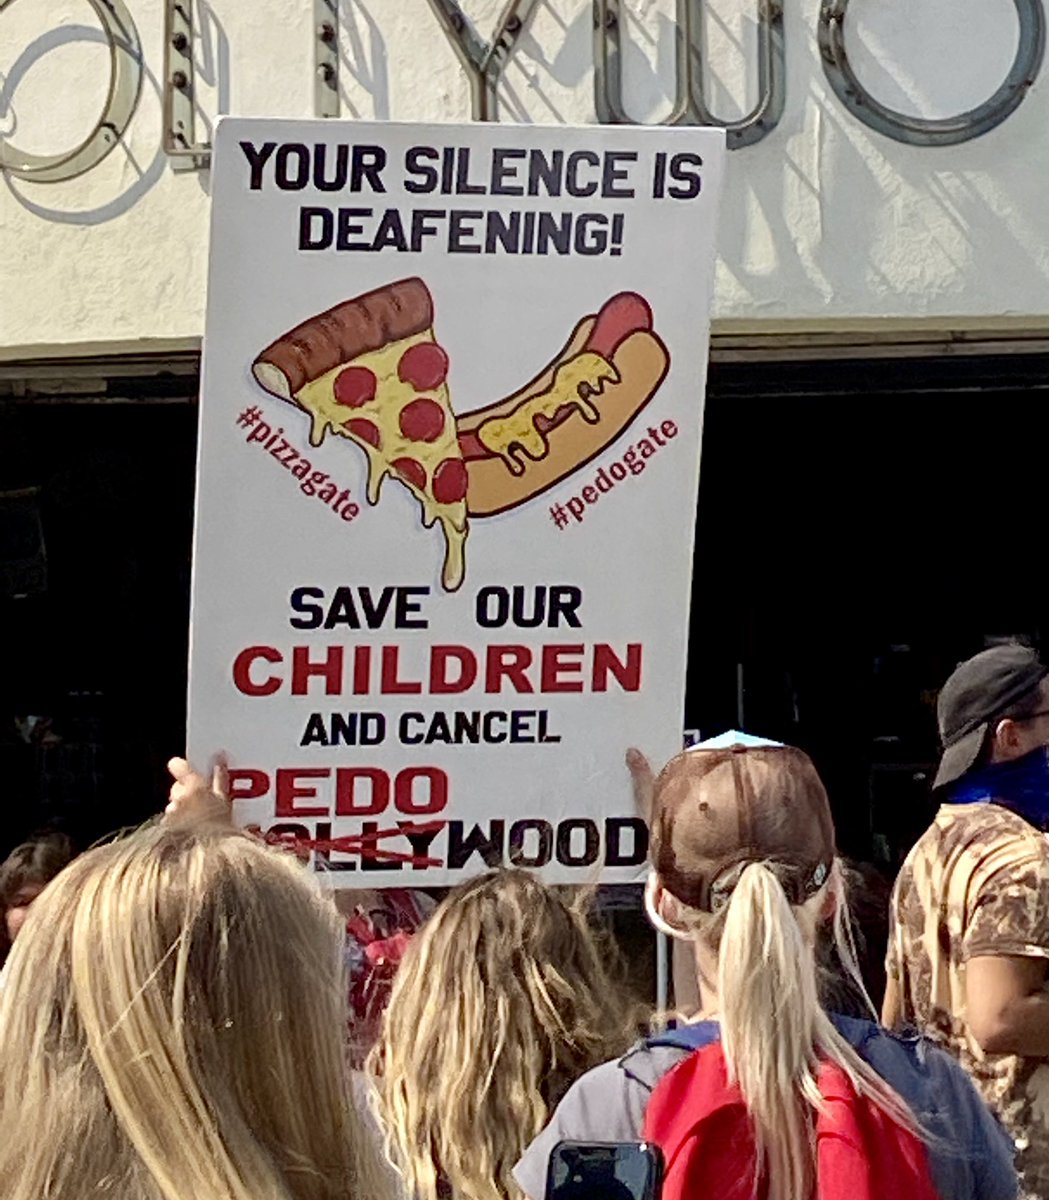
981 689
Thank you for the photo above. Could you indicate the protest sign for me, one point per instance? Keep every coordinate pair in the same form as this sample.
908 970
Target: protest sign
449 452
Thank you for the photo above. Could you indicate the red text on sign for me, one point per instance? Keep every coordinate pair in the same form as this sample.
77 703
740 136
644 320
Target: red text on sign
347 791
448 669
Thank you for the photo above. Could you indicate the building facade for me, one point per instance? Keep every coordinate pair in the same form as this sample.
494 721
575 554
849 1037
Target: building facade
870 496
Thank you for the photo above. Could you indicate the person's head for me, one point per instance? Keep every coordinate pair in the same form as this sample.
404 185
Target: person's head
24 874
745 867
994 708
503 998
173 1025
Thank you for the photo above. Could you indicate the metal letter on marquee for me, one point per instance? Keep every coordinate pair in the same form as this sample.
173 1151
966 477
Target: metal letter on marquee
484 61
125 86
326 58
690 105
922 131
180 138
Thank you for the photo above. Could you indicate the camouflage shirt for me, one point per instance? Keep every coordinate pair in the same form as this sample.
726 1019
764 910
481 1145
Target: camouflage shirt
977 883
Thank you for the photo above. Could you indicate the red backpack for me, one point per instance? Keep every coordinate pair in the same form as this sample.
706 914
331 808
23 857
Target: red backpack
700 1122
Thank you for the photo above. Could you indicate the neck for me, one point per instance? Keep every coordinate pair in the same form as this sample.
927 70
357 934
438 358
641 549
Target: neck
706 982
1020 785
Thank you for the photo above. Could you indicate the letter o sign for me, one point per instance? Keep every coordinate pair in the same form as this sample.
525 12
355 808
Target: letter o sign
125 87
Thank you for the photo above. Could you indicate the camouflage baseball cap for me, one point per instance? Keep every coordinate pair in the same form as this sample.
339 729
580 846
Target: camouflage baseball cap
716 810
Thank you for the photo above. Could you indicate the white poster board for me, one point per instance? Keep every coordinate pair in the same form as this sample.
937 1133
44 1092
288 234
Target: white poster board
449 453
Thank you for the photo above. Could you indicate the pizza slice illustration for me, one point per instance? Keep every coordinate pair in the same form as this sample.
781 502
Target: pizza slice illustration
372 371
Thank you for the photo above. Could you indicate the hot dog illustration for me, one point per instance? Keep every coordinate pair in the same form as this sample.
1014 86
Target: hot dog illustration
518 447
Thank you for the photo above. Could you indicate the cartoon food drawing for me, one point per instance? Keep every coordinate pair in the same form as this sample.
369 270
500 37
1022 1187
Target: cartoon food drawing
372 371
576 406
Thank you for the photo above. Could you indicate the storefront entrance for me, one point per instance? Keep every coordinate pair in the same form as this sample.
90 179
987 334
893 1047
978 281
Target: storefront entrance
862 526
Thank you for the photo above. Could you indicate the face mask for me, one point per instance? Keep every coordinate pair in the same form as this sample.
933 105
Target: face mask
1021 786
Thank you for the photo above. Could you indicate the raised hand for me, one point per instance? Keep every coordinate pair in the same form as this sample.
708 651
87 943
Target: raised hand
643 778
192 796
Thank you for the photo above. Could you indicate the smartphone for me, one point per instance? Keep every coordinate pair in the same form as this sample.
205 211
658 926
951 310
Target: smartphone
605 1171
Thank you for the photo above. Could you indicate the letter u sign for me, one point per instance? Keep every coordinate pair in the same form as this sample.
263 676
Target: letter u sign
690 104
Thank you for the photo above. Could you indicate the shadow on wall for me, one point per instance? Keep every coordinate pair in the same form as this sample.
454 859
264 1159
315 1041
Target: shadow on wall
940 217
362 50
212 67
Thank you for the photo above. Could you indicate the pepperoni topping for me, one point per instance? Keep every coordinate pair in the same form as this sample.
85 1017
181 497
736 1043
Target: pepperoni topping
422 420
355 386
411 470
449 481
363 429
424 366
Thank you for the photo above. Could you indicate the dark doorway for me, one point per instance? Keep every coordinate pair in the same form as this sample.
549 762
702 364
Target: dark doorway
92 685
862 526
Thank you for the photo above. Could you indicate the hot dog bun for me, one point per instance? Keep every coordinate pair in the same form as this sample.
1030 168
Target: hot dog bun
640 362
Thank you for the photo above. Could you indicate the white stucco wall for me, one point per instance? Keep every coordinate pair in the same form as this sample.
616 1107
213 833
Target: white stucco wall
825 221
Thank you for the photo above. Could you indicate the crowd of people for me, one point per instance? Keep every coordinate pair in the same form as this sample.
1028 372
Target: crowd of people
176 1021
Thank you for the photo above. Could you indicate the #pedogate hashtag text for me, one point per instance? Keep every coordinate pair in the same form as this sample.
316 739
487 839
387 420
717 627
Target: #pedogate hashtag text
558 515
318 484
628 466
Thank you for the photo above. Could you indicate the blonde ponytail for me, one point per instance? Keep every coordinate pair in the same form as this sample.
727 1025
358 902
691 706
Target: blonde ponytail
775 1033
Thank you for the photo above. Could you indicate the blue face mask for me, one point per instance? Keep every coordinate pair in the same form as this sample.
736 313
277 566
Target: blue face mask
1022 786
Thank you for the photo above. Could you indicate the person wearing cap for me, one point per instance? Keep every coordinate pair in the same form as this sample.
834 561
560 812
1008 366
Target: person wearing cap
968 960
745 871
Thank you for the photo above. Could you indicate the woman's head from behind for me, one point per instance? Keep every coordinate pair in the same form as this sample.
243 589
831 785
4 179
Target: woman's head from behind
173 1026
24 874
745 867
716 812
502 1000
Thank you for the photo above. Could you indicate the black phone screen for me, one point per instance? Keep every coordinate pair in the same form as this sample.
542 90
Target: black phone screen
604 1171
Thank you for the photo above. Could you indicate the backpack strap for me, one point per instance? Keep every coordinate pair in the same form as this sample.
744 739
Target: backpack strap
686 1037
699 1119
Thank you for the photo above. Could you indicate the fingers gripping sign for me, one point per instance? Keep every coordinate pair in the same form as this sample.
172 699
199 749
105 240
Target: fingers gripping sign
195 796
643 778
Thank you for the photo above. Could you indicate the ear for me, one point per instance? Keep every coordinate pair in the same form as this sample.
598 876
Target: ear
830 905
1008 738
669 908
835 892
664 911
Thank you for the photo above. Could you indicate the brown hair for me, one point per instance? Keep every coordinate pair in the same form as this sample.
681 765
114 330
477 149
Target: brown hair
32 864
502 1000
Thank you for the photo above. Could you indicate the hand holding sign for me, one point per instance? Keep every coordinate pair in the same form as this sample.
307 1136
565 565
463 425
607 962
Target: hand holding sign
643 779
192 797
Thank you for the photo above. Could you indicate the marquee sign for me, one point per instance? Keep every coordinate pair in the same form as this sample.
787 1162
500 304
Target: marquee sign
485 62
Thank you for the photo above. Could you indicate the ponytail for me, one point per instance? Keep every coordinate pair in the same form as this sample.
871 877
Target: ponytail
775 1033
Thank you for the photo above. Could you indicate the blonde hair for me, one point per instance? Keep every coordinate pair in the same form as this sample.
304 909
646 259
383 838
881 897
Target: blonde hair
173 1025
774 1031
502 1000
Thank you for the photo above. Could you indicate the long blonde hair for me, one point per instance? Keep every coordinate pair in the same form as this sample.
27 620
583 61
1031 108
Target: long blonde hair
502 1000
774 1031
173 1025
